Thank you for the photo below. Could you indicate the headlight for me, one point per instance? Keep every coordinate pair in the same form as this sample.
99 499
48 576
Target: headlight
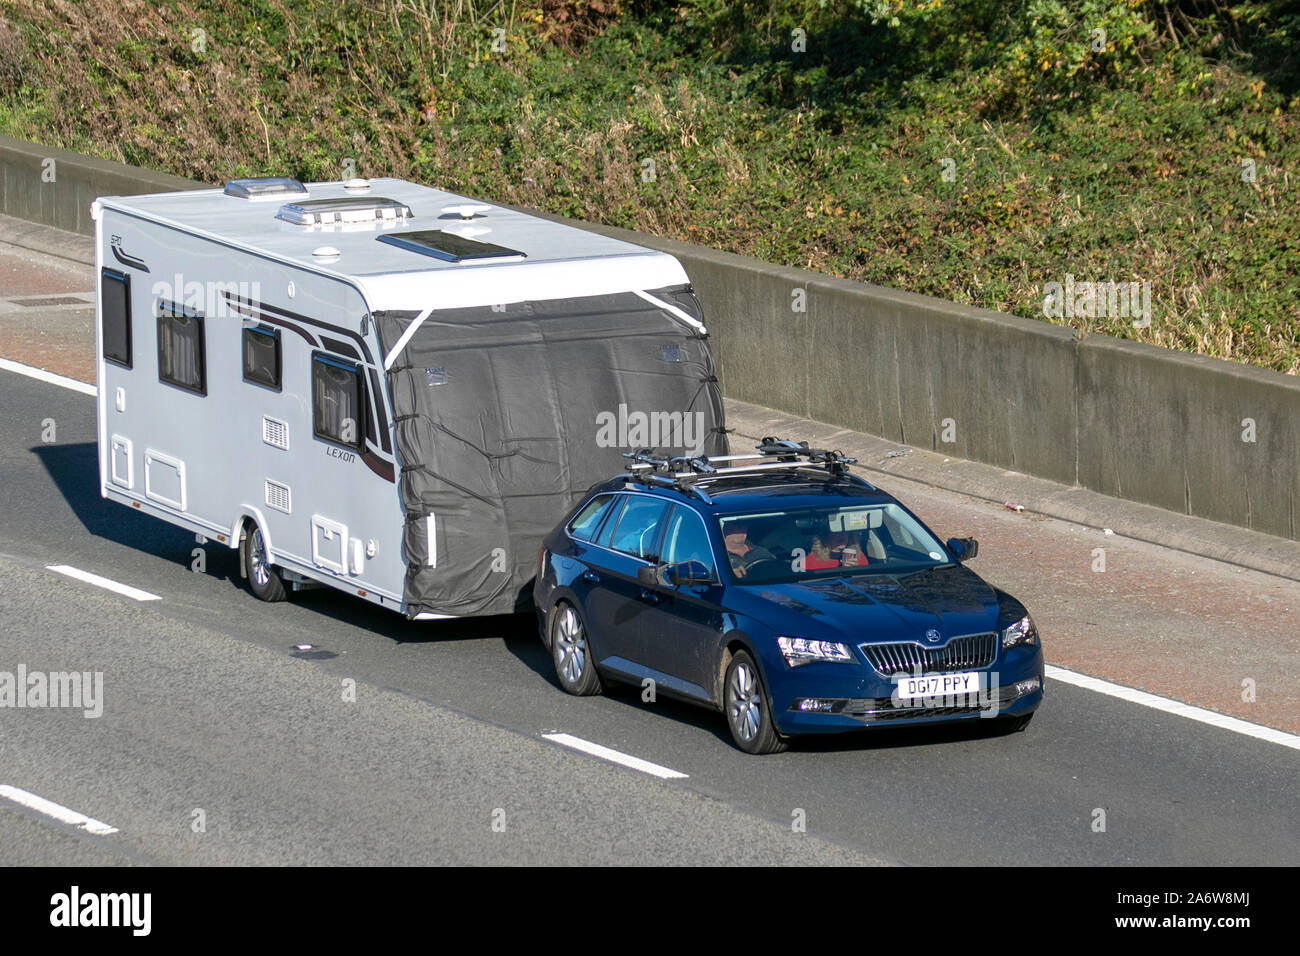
1022 632
800 650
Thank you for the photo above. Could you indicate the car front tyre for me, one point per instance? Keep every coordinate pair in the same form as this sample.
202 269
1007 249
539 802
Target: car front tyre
571 652
749 715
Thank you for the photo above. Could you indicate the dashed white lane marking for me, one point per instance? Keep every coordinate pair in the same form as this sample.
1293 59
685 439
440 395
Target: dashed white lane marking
58 812
106 583
614 756
1200 714
54 379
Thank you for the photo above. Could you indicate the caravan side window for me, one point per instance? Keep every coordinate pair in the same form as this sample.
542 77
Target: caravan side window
180 348
336 397
115 320
262 356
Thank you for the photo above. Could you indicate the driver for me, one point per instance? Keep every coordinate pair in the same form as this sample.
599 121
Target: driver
740 552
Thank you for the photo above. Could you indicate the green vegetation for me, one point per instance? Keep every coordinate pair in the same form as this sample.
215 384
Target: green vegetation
974 150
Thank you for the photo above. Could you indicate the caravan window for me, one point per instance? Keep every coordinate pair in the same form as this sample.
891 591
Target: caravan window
180 348
336 400
262 356
115 318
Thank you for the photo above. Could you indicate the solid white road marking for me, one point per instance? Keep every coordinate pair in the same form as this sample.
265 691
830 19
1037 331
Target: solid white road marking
54 379
1236 725
51 809
95 579
596 750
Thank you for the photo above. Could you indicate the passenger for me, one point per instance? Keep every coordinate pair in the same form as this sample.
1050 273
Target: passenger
740 552
836 549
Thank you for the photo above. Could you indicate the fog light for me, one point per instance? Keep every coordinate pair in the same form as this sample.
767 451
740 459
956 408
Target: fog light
1027 686
815 705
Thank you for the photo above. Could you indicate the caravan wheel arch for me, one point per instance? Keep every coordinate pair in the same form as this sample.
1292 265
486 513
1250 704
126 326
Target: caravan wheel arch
249 515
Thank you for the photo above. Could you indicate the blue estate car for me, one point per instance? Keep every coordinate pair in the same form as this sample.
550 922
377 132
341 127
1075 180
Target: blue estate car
779 588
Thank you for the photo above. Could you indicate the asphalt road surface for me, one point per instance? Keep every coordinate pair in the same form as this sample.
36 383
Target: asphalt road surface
390 742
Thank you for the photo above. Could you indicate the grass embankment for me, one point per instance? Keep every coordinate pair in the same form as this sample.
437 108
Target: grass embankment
975 150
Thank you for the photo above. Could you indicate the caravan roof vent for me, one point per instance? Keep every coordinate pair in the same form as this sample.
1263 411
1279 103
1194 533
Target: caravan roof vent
466 210
324 212
448 247
264 188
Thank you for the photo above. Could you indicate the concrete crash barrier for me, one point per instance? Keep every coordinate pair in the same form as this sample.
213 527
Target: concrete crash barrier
955 379
1189 433
55 187
1125 419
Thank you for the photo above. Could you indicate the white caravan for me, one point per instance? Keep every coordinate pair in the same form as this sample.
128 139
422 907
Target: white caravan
379 386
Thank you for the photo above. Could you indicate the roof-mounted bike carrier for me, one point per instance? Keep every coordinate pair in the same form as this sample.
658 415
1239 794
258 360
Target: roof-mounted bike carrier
772 454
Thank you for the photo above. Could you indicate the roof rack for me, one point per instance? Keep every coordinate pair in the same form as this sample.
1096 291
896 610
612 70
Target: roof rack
772 454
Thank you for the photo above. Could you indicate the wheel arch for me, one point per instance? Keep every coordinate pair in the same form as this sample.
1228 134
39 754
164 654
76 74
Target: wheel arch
733 641
558 596
248 516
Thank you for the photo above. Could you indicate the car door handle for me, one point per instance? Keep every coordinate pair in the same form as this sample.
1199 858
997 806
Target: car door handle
649 596
591 576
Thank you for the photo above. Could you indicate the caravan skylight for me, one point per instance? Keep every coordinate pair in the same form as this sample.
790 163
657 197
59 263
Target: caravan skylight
447 246
324 212
264 188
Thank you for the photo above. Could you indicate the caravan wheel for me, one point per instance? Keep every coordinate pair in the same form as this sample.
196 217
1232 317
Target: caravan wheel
263 579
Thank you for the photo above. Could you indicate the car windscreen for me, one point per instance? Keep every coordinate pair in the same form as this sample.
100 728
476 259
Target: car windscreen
807 543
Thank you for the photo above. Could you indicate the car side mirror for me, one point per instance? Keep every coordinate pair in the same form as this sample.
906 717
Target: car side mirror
650 576
689 573
964 548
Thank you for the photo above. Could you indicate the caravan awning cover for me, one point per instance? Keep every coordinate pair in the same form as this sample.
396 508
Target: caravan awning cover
505 415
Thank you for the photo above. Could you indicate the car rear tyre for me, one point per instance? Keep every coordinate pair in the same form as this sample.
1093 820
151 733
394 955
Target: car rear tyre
263 579
571 652
749 716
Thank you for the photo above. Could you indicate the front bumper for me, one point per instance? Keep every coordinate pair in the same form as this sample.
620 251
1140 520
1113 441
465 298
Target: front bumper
1013 685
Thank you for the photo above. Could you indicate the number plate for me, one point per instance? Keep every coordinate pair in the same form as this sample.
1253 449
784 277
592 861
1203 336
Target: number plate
938 685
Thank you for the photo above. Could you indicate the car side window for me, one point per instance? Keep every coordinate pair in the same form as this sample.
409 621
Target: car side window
584 526
686 539
607 529
638 528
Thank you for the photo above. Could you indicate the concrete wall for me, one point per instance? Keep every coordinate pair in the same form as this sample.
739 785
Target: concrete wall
1172 429
1121 418
56 187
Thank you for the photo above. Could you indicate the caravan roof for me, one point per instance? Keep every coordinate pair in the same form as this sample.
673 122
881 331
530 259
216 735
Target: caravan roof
439 249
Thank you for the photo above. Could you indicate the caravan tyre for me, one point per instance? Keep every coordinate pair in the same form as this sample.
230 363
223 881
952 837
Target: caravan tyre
263 579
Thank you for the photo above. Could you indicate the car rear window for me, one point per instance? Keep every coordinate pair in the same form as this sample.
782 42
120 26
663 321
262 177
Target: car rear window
584 526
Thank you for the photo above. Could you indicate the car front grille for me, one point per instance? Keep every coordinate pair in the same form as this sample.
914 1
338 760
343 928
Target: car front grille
909 657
